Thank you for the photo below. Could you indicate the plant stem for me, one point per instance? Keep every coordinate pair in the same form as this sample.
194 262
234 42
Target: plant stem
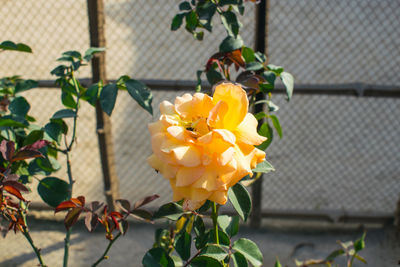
69 169
214 217
68 233
66 247
28 237
76 112
104 256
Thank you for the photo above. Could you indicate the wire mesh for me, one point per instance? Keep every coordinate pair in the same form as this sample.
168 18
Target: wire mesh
141 44
345 144
334 42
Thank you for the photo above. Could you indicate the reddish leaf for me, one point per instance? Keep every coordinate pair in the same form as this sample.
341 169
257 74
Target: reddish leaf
141 215
82 200
26 154
91 221
124 205
12 177
116 224
116 214
7 149
145 201
79 200
95 205
236 57
65 205
37 145
71 217
12 190
16 185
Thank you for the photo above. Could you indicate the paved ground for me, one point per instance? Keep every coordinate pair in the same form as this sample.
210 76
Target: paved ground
286 239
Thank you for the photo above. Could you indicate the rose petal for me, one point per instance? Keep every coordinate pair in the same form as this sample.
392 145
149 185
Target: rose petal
167 108
187 176
236 99
246 131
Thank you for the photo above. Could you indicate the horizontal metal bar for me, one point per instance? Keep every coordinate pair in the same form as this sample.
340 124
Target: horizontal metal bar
350 89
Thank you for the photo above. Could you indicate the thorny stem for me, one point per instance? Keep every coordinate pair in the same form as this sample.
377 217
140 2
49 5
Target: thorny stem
28 237
104 256
69 170
76 112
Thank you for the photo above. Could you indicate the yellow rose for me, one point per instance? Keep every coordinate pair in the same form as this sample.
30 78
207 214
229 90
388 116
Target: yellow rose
204 145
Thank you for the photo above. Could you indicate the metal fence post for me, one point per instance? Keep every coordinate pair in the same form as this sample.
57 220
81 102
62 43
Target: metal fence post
104 134
261 44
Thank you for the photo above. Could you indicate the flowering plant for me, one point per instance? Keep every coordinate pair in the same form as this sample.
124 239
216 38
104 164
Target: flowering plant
205 145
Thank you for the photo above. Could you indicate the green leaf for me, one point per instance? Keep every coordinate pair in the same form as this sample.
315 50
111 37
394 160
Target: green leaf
157 257
68 100
228 224
198 226
177 22
228 2
266 131
19 106
264 167
250 250
230 43
185 6
53 190
92 51
33 136
277 263
360 243
54 131
358 257
59 70
266 87
248 54
9 45
269 76
198 35
223 237
48 164
183 245
108 96
170 210
92 94
260 57
215 252
198 85
25 85
288 81
334 254
277 125
191 21
276 69
206 11
254 66
214 76
74 54
11 123
202 261
239 260
240 199
141 93
64 113
231 23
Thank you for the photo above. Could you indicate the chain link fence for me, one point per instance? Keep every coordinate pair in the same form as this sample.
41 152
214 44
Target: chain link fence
337 153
